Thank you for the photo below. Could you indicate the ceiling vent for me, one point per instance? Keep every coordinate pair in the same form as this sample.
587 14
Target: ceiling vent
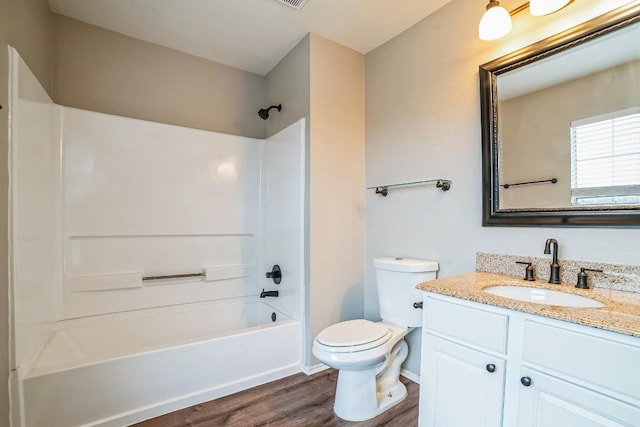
296 4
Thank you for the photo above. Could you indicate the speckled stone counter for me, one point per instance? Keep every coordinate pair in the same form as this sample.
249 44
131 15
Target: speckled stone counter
613 276
621 312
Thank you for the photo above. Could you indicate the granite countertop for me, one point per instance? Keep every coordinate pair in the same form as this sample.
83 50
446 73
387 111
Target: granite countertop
621 312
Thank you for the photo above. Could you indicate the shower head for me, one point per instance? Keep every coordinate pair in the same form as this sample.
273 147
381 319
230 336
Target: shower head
264 113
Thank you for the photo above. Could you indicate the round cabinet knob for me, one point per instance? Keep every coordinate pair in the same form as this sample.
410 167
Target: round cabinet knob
491 368
526 381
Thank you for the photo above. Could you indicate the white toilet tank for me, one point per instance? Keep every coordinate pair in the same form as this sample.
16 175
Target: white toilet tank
397 279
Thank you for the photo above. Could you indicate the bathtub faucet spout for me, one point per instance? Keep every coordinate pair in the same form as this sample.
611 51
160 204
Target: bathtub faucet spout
265 294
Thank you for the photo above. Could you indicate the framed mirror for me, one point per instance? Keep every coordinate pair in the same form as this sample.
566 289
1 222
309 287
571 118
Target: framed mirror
561 128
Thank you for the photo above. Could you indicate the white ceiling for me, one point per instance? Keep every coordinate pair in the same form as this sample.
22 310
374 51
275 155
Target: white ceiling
252 35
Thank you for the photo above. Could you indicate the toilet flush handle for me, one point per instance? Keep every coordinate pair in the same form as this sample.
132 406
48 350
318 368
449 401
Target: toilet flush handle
417 304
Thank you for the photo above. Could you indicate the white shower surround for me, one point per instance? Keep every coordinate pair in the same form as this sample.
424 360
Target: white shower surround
98 202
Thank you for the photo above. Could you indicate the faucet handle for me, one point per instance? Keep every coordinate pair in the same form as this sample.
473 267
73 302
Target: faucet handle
582 277
528 272
275 274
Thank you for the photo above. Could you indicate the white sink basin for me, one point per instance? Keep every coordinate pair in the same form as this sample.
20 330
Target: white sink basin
543 296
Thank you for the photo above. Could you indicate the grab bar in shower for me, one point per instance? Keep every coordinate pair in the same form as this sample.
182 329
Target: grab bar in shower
174 276
210 274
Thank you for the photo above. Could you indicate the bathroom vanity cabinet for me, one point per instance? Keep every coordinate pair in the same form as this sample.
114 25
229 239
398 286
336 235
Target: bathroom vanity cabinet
488 366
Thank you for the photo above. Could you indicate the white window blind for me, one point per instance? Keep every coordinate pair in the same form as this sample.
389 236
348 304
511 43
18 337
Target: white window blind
605 159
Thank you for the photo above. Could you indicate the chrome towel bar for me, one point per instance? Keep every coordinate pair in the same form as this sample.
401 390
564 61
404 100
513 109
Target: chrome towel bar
383 190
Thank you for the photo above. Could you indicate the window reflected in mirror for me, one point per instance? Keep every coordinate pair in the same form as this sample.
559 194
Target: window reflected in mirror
605 159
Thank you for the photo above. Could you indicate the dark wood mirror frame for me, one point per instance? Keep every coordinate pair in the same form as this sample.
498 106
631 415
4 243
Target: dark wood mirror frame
492 215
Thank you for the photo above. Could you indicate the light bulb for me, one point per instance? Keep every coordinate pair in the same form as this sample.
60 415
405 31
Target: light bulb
495 23
545 7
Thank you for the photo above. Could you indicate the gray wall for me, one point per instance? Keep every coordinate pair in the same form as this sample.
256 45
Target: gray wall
100 70
423 121
288 83
25 25
324 82
336 186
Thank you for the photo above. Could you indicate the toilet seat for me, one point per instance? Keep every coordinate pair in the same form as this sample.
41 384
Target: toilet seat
353 335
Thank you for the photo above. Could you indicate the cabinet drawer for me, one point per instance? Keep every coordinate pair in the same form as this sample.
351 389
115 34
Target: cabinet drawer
471 325
603 362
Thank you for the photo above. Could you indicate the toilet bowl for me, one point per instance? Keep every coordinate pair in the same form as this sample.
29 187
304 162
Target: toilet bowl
369 355
368 358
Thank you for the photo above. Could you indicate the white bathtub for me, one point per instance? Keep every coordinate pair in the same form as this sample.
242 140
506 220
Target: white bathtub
119 369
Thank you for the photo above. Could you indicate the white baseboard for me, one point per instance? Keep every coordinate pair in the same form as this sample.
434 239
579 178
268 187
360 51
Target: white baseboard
310 370
410 375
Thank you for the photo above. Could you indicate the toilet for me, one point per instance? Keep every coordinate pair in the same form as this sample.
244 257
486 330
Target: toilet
368 355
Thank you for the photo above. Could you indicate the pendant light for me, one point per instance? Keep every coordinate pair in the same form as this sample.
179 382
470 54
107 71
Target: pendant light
545 7
495 23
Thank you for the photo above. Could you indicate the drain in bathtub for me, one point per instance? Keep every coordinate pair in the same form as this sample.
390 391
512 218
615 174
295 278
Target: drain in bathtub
273 316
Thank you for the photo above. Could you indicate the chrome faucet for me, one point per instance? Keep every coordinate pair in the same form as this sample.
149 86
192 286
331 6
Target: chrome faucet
555 267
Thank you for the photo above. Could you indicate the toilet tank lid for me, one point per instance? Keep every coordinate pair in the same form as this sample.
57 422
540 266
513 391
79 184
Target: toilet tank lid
404 264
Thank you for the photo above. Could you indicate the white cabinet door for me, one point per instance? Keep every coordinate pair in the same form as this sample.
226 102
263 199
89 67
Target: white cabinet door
461 387
551 402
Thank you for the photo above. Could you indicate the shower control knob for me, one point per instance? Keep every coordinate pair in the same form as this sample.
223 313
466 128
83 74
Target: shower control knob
491 368
275 274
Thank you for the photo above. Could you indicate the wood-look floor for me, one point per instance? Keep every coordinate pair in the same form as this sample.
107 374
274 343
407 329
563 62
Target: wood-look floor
298 400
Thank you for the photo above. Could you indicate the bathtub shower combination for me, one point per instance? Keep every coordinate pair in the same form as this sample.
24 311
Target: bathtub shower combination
103 209
130 369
